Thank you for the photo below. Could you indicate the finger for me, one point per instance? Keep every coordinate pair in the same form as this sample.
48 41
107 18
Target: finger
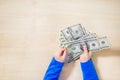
64 53
61 52
85 49
90 53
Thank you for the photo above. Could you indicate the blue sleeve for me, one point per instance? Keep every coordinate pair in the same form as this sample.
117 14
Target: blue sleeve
88 70
53 70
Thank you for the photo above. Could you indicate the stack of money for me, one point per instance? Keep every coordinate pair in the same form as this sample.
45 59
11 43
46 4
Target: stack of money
74 37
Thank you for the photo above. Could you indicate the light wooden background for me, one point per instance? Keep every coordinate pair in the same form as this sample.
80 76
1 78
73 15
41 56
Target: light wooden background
29 36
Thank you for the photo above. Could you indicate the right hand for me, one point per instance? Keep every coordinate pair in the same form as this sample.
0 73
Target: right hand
85 56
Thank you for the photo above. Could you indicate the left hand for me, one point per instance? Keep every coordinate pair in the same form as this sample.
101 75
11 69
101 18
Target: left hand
60 55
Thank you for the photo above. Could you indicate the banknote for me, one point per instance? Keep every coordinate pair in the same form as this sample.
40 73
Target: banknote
93 45
103 42
74 37
76 31
67 34
74 51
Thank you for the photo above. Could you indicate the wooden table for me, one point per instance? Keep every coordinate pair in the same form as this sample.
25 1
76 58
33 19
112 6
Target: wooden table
29 36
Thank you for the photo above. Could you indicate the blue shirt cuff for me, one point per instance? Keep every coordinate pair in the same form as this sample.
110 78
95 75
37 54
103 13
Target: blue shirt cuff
56 63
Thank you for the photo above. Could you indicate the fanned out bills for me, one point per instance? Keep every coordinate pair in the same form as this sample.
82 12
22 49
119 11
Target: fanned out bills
74 37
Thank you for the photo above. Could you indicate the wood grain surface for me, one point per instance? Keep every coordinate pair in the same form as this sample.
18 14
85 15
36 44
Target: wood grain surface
29 36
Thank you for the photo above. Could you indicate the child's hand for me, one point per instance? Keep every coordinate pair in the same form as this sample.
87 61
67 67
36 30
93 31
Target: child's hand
60 55
86 55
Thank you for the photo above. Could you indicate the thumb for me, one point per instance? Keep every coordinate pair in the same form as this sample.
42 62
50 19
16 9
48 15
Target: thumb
61 52
64 53
85 49
90 53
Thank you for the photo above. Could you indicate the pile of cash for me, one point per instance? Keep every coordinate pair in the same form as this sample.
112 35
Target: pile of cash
74 37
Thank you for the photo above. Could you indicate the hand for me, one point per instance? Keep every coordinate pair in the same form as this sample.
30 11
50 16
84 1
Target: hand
60 55
86 55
